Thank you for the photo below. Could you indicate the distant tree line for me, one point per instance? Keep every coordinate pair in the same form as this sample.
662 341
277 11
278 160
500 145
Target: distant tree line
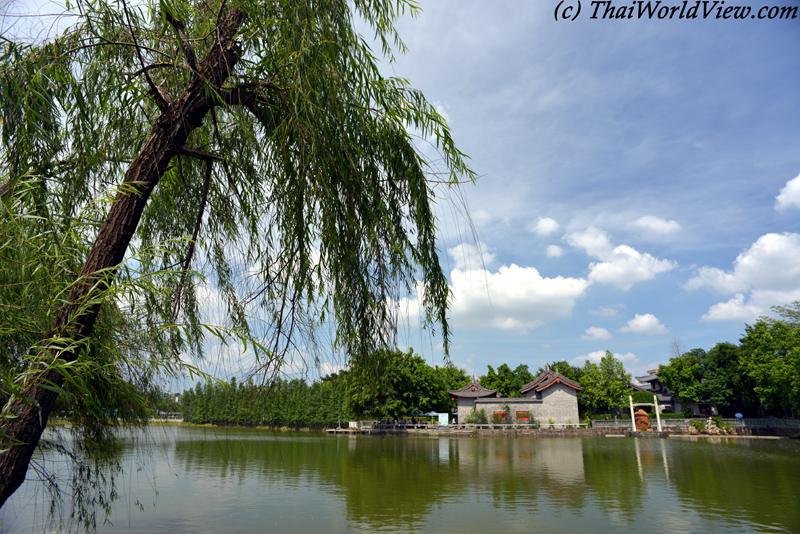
759 376
389 384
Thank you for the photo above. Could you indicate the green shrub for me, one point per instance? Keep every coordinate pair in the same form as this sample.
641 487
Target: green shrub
670 415
499 417
523 417
722 424
611 416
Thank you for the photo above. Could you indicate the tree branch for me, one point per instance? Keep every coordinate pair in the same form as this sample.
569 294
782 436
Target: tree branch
159 65
162 99
188 52
199 154
190 251
261 104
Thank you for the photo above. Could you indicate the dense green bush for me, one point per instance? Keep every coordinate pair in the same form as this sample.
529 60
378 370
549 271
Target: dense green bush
476 417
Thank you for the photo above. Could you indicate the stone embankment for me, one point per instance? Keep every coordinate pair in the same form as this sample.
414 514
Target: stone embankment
674 427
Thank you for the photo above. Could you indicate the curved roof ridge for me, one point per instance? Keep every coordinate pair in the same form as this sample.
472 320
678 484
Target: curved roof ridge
472 390
547 379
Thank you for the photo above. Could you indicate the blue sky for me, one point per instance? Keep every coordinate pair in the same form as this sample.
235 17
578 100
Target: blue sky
639 180
629 175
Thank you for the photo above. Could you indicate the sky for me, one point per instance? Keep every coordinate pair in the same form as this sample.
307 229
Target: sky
639 179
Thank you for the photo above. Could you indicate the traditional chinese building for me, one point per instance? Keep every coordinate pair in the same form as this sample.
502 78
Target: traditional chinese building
549 397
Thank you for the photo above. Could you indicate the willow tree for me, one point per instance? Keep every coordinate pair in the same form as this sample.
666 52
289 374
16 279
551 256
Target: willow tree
255 143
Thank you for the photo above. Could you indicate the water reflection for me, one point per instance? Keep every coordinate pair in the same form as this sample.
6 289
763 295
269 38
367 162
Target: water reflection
211 480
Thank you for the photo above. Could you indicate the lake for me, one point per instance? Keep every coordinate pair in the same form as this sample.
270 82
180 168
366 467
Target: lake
198 480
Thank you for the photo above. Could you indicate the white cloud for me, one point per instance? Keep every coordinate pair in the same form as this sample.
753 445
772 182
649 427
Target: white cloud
622 266
771 263
733 310
328 368
722 281
554 251
545 226
790 195
741 310
647 324
628 358
769 270
595 332
656 225
604 311
593 357
514 297
627 267
468 256
593 240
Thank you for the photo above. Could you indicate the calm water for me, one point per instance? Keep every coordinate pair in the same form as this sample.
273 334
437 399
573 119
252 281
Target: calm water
222 480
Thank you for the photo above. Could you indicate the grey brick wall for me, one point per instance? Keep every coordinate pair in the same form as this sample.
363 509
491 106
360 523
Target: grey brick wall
558 402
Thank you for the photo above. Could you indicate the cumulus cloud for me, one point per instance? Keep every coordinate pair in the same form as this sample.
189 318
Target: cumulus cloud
769 270
593 240
789 197
623 265
628 358
734 310
468 256
545 226
739 308
647 324
656 225
595 332
513 297
771 263
554 251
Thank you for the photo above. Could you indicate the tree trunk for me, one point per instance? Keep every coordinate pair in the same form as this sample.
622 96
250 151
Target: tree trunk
76 320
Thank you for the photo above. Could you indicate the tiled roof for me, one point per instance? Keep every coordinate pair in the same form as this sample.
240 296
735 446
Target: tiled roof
647 378
473 390
547 379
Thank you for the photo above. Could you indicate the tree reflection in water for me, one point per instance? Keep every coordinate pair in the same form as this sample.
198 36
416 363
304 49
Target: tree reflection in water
231 480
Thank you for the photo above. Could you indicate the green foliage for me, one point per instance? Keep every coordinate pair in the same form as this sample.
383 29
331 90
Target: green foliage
507 382
721 424
700 426
604 385
770 354
524 417
762 372
282 403
789 314
476 417
393 383
644 397
294 173
498 417
725 383
563 367
682 375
